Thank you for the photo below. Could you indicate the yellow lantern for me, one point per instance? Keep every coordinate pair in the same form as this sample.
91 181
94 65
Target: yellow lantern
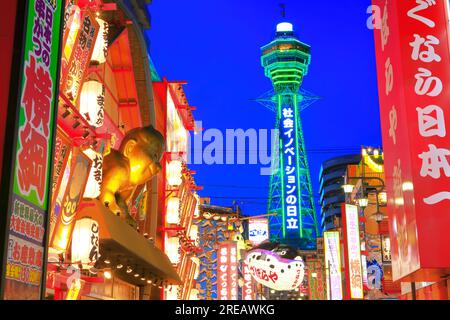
173 211
85 242
173 172
197 206
101 43
193 234
94 182
171 292
194 294
172 249
92 102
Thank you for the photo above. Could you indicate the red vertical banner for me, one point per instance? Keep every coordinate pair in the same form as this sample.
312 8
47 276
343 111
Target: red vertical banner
412 51
227 273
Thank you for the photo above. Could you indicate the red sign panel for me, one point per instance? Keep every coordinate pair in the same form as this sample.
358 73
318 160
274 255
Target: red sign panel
227 271
412 49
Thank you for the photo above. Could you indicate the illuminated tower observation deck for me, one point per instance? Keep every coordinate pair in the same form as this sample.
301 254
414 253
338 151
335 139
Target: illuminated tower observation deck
286 62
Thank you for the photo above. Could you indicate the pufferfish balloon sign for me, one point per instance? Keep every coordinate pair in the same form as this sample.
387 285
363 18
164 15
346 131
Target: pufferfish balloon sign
276 266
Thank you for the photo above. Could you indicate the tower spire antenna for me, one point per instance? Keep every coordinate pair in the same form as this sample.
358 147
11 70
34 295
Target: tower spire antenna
283 10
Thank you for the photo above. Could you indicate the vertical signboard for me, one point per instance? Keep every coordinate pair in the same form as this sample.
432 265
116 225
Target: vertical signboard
65 222
412 51
80 55
316 280
258 231
247 289
292 223
353 252
28 203
333 265
227 271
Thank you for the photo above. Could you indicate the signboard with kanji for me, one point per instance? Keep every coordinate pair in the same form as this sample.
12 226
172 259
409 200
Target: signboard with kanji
412 51
258 230
72 78
28 203
352 245
248 292
290 163
316 279
333 265
227 272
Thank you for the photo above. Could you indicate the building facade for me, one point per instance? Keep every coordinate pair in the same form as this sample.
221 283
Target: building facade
91 185
331 193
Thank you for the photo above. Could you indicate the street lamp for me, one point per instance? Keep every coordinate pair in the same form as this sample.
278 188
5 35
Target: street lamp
348 188
363 202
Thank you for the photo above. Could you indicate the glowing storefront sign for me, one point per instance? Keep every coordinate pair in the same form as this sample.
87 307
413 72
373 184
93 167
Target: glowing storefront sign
333 265
80 56
29 201
271 270
353 252
258 231
227 271
412 65
75 189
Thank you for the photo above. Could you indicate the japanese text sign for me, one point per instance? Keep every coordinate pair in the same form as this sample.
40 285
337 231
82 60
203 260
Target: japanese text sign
29 202
333 265
353 252
412 50
289 141
227 271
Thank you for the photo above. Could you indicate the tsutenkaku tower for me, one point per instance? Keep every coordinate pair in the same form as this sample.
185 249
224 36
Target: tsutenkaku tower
285 61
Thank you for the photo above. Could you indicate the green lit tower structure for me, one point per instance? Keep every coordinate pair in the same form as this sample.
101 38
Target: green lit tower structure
286 61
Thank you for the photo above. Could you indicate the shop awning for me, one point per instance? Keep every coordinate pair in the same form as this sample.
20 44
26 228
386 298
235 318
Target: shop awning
123 245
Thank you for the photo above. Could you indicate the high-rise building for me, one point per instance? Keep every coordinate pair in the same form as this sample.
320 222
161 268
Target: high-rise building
331 193
285 61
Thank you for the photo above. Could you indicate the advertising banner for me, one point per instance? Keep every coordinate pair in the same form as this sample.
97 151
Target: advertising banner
227 271
353 251
248 292
72 197
412 51
316 279
258 231
333 265
273 271
28 204
72 79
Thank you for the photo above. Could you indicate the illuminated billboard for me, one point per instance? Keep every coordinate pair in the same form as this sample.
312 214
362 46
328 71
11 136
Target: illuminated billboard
333 265
412 55
227 271
258 231
353 252
279 268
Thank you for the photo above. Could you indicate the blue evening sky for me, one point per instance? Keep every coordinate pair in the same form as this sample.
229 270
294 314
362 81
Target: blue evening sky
215 46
